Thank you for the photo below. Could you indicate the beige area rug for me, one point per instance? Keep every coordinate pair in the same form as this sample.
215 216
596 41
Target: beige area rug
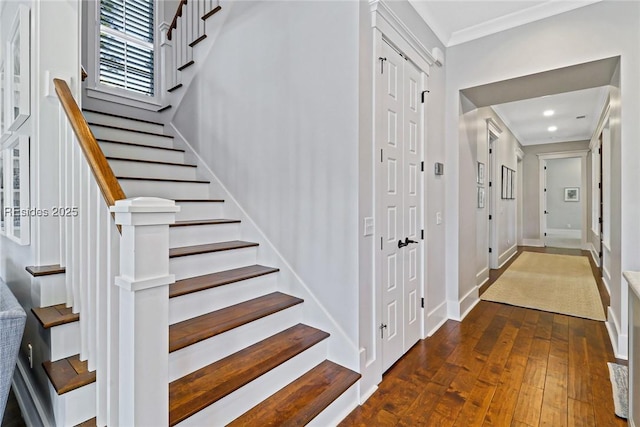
557 283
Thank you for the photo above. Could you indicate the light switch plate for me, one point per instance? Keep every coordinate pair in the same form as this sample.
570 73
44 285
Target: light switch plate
368 226
438 218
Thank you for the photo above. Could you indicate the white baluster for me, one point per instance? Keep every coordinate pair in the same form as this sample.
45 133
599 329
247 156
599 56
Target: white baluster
113 321
102 284
144 309
92 282
75 233
83 258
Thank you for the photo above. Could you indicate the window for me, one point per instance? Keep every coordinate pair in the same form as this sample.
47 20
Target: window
127 45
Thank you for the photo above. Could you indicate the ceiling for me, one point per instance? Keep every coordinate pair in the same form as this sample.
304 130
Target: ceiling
526 121
456 22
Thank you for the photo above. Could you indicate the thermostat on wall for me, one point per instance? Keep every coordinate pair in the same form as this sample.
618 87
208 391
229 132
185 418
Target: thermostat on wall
439 169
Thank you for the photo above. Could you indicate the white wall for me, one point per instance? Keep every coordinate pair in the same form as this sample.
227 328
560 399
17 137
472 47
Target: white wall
54 49
274 113
600 30
563 173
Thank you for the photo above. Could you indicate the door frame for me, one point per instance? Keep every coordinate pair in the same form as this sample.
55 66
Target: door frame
542 158
493 137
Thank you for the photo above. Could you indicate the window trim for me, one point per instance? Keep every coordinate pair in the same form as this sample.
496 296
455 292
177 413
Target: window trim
98 90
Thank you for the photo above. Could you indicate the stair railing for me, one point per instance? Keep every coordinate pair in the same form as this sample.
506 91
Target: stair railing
186 29
117 276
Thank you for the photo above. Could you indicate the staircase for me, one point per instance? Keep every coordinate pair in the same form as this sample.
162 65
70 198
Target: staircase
239 351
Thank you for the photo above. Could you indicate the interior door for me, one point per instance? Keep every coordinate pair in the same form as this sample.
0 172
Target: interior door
401 199
601 203
545 211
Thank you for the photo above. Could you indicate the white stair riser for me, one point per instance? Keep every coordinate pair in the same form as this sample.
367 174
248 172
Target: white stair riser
190 211
199 265
240 401
48 290
196 356
74 407
165 190
122 122
202 234
151 170
199 303
141 153
338 409
65 340
123 135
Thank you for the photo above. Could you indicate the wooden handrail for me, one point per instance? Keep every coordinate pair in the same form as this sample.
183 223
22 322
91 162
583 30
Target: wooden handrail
174 23
107 181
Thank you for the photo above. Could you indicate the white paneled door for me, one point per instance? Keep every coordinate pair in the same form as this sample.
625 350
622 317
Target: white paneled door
400 192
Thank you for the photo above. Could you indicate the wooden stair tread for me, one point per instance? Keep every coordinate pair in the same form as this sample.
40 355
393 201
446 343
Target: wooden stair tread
204 222
188 64
122 117
208 325
155 162
211 12
44 270
161 135
198 40
135 178
208 281
302 400
93 422
197 390
140 145
176 87
68 374
55 315
209 247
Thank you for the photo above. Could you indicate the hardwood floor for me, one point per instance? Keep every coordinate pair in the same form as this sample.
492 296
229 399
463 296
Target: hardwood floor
501 366
12 416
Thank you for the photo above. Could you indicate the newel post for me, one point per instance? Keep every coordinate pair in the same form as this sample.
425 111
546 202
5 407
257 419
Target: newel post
144 309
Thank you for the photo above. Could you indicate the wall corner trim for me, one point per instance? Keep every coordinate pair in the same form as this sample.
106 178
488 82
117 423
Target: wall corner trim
385 19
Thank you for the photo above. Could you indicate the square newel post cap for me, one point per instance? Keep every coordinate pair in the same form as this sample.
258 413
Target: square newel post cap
145 211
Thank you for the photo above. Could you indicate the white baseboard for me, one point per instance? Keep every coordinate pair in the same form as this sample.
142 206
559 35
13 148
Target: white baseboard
594 254
619 341
458 310
565 232
507 255
364 396
606 279
436 318
537 243
482 276
33 412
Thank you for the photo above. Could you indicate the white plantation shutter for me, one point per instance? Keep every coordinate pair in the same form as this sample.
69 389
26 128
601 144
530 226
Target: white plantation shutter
126 45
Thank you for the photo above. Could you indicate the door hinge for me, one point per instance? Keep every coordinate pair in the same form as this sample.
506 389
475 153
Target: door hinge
490 250
545 234
490 217
545 190
599 186
381 155
599 150
382 328
381 59
545 168
422 302
599 220
423 92
546 213
380 242
422 234
489 183
490 151
600 254
421 166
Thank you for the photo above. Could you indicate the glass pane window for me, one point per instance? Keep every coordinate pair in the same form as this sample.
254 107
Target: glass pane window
127 45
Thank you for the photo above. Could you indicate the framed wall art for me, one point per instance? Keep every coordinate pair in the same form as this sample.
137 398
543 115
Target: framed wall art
15 183
572 194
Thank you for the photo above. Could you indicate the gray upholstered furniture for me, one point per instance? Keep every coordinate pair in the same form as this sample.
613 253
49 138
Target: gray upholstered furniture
12 320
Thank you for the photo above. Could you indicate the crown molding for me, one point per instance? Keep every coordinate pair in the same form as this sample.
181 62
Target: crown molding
515 19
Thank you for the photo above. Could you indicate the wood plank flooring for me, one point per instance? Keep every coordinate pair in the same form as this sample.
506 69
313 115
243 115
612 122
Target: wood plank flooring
501 366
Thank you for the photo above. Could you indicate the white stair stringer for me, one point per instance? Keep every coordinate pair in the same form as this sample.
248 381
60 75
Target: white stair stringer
202 302
237 403
195 356
122 122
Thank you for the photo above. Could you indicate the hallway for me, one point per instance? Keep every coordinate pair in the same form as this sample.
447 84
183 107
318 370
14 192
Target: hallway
501 366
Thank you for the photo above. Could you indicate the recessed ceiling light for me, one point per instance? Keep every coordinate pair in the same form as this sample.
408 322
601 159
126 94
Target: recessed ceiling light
552 128
548 113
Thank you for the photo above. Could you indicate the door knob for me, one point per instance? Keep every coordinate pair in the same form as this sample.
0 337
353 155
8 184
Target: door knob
407 241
